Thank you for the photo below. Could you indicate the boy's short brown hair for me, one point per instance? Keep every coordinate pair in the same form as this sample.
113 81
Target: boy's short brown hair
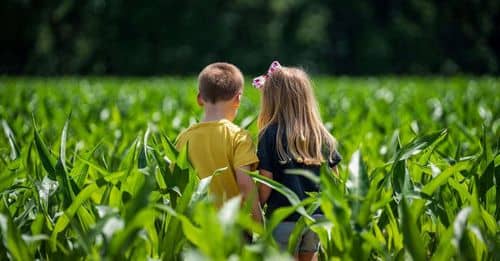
219 82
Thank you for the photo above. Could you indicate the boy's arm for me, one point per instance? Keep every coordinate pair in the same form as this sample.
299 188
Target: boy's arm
249 191
264 190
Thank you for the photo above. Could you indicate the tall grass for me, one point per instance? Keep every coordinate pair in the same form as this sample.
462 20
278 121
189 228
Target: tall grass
88 171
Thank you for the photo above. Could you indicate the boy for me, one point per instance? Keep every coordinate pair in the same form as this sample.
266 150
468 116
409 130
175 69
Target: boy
216 142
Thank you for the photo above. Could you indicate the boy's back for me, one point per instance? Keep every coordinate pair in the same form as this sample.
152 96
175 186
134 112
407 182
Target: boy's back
218 144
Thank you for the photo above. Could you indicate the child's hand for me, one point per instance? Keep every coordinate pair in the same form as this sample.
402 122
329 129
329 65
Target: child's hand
335 170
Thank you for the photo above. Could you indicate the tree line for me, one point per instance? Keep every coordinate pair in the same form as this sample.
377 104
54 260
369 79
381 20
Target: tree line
157 37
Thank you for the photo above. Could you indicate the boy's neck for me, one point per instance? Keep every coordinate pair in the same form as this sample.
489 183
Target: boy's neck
219 111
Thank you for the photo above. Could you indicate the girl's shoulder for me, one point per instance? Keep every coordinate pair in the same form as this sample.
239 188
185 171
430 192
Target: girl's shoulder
267 138
269 132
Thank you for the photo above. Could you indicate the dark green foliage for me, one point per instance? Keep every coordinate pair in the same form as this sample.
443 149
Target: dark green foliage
180 37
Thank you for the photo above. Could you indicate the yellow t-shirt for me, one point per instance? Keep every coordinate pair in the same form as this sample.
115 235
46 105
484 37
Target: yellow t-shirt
215 145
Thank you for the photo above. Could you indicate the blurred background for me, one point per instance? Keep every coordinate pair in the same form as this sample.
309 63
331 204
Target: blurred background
157 37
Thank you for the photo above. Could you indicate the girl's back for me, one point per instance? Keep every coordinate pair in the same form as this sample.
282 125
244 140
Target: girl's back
291 136
300 185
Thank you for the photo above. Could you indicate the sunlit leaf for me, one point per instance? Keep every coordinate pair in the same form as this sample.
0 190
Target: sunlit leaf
417 145
14 148
357 183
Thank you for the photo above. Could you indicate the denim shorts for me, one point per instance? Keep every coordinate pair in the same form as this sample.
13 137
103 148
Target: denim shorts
308 241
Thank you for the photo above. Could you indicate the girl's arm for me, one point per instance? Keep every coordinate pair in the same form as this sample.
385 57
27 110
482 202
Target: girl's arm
334 162
264 190
335 170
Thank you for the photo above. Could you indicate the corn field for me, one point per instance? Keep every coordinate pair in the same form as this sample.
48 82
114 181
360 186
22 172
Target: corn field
88 171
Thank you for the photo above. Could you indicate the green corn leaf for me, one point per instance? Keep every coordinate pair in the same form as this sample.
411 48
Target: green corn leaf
300 226
128 160
401 179
14 148
81 169
371 240
247 121
141 198
177 183
100 170
67 183
192 185
497 191
486 181
64 220
45 156
12 239
165 173
289 194
357 183
294 238
411 236
229 211
192 232
460 228
281 213
419 144
170 148
489 222
486 153
64 138
444 251
369 204
396 238
436 176
182 158
442 178
152 233
123 239
64 183
201 190
142 161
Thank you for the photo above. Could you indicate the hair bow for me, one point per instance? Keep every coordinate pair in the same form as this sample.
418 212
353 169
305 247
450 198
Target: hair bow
258 82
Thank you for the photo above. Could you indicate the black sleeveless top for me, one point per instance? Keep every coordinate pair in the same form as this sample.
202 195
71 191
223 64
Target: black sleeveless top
269 160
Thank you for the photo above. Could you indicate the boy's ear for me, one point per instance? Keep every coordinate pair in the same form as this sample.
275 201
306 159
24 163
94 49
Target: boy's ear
237 98
200 100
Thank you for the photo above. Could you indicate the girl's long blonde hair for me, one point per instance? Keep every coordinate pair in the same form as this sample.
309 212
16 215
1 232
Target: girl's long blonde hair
288 101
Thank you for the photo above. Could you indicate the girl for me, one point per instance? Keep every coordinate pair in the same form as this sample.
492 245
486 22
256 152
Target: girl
291 136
